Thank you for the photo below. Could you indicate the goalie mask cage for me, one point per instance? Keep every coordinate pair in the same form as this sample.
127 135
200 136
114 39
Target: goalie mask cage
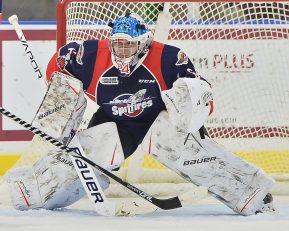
241 48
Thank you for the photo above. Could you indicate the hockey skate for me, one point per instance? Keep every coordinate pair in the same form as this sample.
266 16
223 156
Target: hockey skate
267 205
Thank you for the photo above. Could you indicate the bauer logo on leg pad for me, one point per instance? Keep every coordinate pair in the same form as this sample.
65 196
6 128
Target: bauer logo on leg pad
199 161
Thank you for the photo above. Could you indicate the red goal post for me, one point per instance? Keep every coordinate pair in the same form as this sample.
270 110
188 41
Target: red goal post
240 47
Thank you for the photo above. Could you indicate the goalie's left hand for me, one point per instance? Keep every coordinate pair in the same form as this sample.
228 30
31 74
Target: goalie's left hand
189 103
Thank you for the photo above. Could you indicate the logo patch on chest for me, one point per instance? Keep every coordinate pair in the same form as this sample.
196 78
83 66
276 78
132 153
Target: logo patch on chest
131 105
109 80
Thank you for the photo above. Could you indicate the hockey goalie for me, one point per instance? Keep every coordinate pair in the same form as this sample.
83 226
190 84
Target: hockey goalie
148 94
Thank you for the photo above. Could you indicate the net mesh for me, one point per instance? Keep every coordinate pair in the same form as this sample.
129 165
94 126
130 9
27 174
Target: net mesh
239 47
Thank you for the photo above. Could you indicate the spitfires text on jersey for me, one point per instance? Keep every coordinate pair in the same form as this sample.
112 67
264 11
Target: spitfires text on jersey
131 105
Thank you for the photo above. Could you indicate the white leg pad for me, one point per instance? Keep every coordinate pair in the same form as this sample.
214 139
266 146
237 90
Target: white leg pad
232 180
59 184
102 145
52 182
23 188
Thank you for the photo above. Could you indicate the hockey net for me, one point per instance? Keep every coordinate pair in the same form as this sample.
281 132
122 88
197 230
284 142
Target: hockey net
239 47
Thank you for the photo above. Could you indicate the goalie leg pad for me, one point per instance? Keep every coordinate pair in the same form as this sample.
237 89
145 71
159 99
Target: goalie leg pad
53 180
23 188
232 180
51 183
102 145
59 184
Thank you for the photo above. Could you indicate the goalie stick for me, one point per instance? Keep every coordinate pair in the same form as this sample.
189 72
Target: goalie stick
91 186
13 20
166 204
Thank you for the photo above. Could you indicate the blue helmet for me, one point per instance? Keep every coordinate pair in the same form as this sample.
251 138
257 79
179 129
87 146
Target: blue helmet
129 25
132 29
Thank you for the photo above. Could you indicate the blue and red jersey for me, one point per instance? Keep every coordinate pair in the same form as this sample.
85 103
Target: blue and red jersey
135 101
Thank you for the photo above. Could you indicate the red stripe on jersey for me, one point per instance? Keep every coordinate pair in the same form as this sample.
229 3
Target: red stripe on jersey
102 63
52 66
153 63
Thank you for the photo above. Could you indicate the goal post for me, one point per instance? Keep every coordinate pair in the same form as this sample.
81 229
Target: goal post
240 47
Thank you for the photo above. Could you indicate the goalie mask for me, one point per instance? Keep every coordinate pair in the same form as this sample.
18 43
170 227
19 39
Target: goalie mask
129 42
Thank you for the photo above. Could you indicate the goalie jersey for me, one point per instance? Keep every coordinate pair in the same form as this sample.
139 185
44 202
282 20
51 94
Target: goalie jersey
132 102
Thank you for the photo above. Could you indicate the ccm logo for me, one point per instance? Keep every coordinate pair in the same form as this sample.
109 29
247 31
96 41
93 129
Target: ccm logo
146 81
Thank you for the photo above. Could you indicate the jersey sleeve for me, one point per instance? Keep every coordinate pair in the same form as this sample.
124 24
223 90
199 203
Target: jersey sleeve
76 60
176 64
52 67
63 60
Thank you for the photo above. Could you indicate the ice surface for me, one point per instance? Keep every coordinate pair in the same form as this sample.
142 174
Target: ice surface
206 215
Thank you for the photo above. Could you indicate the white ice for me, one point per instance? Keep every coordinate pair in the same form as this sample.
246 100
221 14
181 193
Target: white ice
206 215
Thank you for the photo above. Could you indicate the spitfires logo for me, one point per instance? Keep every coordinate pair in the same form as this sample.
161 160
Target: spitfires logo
131 105
182 58
63 60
